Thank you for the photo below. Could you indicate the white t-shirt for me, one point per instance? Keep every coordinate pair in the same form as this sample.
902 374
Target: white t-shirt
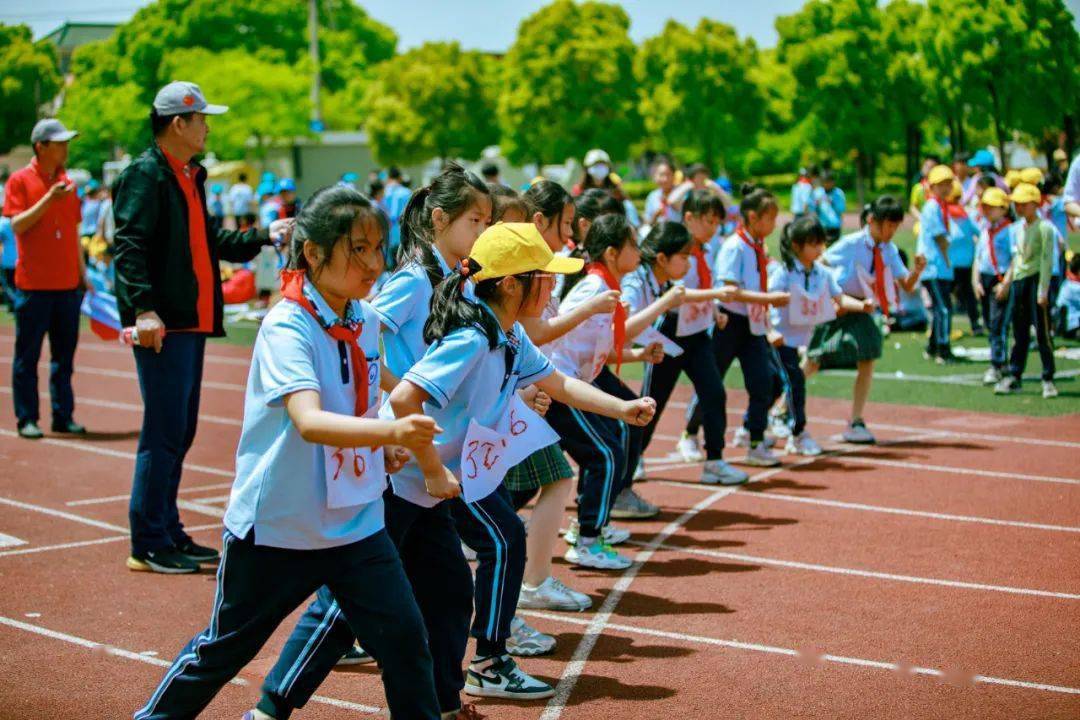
582 352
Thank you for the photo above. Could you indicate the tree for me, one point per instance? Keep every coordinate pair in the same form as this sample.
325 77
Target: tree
907 77
783 141
836 54
430 102
108 118
1053 65
268 101
695 89
568 84
29 80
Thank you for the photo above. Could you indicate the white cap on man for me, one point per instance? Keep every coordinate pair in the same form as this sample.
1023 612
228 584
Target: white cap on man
50 130
180 97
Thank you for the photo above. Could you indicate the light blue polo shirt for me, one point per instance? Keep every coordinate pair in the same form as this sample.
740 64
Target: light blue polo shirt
816 281
403 305
652 204
962 236
1003 250
830 206
640 288
856 250
801 197
932 225
10 253
735 263
465 379
280 485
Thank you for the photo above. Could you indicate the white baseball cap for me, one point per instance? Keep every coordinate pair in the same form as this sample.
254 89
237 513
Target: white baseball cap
596 155
50 130
180 97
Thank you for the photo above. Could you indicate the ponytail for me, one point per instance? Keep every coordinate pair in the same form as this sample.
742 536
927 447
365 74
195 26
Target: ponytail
451 310
796 234
609 231
756 200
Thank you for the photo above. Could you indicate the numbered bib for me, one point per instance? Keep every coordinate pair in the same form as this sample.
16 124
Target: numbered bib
602 333
354 476
806 308
694 317
650 335
759 318
488 453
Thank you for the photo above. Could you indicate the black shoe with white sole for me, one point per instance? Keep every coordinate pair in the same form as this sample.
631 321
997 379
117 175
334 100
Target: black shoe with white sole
168 562
199 553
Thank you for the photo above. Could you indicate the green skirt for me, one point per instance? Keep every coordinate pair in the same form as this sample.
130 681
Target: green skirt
848 339
541 468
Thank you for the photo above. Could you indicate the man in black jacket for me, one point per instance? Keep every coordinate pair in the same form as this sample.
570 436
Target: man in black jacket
168 286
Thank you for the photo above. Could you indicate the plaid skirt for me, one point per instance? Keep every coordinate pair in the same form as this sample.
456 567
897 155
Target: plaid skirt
848 339
541 468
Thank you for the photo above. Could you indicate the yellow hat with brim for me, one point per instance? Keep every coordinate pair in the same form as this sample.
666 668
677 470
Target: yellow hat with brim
1031 175
940 174
995 197
514 248
1012 178
1026 193
1060 154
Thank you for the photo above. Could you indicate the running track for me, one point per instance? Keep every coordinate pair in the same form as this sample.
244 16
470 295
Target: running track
936 575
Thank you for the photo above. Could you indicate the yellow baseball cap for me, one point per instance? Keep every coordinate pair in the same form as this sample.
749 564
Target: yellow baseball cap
1012 178
1031 175
1026 193
515 248
1060 154
940 174
995 197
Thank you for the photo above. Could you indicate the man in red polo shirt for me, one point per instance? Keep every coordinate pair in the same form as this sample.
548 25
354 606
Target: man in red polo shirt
41 201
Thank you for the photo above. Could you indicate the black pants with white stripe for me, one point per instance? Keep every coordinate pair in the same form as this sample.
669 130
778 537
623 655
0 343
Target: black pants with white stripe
939 343
998 315
1028 312
259 586
606 451
430 550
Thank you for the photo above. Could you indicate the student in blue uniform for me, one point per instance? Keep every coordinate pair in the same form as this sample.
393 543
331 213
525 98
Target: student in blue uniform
306 508
993 256
802 193
933 244
829 204
963 234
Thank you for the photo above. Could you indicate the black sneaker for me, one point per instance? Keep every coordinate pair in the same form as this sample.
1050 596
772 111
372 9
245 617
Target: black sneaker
169 562
356 655
30 430
199 553
68 427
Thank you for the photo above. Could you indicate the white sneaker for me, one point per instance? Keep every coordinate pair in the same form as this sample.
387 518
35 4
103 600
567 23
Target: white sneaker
1007 385
597 554
1049 390
858 434
992 376
718 472
689 448
802 444
639 474
553 595
527 641
742 438
761 456
611 534
629 505
778 426
501 677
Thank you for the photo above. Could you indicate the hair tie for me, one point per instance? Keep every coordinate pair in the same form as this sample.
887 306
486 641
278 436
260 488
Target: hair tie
463 268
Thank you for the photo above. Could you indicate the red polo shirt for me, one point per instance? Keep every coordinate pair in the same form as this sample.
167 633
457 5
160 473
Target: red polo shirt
49 250
200 250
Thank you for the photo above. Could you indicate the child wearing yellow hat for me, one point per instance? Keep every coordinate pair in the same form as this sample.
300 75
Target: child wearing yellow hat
935 228
1029 277
993 256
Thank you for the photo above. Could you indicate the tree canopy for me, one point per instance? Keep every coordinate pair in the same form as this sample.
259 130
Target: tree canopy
30 79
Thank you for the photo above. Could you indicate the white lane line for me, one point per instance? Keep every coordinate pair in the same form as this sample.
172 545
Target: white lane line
111 349
200 508
159 662
87 447
776 562
99 541
791 652
871 460
115 498
61 514
10 541
131 375
132 407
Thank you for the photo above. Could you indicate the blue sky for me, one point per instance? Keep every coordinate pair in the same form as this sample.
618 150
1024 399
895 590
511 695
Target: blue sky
476 24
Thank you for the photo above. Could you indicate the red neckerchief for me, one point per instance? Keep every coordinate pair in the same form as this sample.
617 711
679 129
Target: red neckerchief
292 288
762 258
879 279
703 272
619 316
943 205
992 232
805 180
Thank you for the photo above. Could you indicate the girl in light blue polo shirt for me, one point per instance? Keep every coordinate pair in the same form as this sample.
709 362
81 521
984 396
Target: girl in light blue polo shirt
479 357
306 507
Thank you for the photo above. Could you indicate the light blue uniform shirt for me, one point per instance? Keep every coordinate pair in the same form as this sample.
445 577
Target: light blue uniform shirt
962 236
280 486
816 282
830 206
1003 250
1069 301
932 225
394 200
10 251
735 263
856 250
467 380
801 198
403 305
652 204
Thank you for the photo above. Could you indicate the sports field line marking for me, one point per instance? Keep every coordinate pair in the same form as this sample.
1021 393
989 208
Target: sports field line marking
87 447
10 541
814 567
115 498
61 514
791 652
744 493
99 541
129 375
132 407
965 379
200 508
990 437
113 349
159 662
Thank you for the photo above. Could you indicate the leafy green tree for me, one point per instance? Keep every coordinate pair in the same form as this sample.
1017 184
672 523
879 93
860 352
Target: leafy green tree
696 90
783 143
430 101
907 76
568 84
29 80
108 118
1052 65
835 52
